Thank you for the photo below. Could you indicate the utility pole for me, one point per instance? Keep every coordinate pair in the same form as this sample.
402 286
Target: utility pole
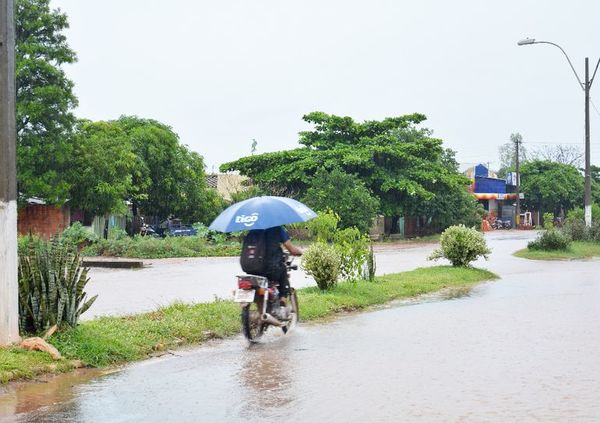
517 139
587 198
9 289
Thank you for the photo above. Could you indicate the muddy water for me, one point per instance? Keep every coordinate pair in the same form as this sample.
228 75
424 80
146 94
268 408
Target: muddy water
524 348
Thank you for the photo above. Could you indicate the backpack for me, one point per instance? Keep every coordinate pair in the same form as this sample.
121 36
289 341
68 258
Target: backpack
254 248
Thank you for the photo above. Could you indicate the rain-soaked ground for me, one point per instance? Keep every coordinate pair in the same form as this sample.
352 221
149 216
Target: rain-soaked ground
521 349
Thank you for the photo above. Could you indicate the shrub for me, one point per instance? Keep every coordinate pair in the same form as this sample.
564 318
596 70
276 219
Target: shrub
461 245
594 232
575 229
77 234
552 239
578 212
353 248
324 227
51 284
322 262
548 220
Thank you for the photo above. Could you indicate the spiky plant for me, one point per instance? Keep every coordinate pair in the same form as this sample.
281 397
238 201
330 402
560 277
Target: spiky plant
51 287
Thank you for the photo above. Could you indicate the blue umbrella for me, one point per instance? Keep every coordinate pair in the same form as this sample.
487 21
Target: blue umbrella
261 213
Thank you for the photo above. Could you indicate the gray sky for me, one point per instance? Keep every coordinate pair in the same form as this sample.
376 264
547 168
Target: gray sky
224 72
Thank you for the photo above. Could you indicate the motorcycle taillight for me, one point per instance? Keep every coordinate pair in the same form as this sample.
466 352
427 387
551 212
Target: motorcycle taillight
244 284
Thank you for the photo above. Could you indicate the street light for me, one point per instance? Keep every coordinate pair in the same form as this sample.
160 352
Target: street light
586 88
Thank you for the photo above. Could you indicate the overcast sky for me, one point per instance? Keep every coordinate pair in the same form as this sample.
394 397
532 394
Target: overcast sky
224 72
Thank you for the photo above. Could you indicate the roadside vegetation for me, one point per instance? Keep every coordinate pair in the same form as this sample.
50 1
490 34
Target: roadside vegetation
573 240
110 341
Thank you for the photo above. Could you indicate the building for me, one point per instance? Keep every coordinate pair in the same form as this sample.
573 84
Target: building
227 183
498 196
45 220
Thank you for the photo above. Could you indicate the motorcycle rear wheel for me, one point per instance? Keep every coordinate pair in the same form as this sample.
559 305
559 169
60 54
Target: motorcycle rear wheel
252 325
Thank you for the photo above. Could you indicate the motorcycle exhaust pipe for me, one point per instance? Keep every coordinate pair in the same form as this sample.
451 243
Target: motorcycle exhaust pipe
272 320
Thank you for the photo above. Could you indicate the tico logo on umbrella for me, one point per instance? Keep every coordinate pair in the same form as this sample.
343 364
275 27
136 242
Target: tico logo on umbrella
248 221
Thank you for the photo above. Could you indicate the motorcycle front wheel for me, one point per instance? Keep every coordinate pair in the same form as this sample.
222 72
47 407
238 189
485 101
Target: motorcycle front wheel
252 325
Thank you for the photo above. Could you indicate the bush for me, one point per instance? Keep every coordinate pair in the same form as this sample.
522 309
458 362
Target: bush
552 239
578 212
353 248
324 227
575 229
77 234
322 262
461 245
51 283
548 220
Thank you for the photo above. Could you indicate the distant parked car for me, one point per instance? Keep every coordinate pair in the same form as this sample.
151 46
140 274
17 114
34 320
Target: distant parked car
174 227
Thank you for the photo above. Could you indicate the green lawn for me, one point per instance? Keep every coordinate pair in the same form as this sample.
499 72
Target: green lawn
577 250
110 341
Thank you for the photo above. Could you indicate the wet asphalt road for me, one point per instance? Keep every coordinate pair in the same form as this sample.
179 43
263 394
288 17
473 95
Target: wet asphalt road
524 348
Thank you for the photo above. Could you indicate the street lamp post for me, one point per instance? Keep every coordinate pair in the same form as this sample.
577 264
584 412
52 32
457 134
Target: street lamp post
585 86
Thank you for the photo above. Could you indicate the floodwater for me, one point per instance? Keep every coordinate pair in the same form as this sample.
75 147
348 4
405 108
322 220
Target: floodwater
524 348
164 281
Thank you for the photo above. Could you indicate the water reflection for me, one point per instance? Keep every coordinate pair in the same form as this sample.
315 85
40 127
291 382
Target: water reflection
265 377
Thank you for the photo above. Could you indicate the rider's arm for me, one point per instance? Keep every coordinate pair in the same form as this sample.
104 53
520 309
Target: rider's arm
292 249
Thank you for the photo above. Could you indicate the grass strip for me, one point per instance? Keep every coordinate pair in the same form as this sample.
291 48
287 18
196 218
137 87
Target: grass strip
110 341
578 250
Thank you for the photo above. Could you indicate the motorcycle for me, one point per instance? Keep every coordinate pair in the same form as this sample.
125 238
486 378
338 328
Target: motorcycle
260 302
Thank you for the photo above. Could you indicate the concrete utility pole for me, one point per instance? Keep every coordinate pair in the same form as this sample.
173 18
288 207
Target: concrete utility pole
517 139
587 199
9 289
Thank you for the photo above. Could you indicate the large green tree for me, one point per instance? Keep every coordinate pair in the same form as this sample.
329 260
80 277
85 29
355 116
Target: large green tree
45 101
103 165
551 186
168 178
400 163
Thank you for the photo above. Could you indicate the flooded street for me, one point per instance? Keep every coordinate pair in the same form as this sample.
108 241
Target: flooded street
524 348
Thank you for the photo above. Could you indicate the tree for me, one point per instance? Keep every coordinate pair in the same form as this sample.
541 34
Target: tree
565 154
346 195
45 101
550 186
508 155
168 178
397 161
101 175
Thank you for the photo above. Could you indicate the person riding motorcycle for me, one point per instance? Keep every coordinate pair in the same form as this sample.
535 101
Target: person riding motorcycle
275 269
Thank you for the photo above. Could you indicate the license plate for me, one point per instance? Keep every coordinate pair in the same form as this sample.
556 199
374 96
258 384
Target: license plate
243 295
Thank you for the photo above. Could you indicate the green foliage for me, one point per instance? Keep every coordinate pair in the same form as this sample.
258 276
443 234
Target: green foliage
371 265
324 227
551 186
168 178
150 247
322 262
552 239
461 245
548 220
250 192
579 213
51 284
103 166
45 101
76 234
346 195
575 228
353 247
400 164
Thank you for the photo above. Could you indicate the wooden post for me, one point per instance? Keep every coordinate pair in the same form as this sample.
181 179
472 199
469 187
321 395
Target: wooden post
9 289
